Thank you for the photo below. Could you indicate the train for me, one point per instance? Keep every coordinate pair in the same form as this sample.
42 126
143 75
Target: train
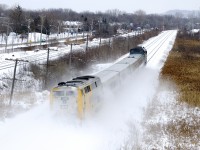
81 95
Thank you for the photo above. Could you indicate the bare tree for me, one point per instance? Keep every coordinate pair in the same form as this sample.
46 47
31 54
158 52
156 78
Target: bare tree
17 18
140 13
140 17
3 7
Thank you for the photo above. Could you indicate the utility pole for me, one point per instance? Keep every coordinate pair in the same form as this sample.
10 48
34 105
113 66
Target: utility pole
70 61
109 42
6 38
70 58
87 43
58 29
41 27
100 43
47 65
92 27
29 21
7 28
100 32
128 42
13 80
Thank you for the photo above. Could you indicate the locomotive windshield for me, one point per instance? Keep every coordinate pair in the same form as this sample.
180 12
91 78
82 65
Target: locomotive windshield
58 93
63 93
137 50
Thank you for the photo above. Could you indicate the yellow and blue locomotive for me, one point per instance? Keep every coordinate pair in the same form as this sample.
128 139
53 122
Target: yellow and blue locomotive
76 96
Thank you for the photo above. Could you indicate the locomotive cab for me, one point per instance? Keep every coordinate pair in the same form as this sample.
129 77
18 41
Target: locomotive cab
139 50
75 96
64 98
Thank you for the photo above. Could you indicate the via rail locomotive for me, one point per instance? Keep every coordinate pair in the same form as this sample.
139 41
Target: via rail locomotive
80 95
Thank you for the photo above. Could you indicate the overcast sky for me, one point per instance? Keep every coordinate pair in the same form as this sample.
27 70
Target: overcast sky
130 6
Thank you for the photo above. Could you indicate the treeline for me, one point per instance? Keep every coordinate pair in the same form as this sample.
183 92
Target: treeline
21 20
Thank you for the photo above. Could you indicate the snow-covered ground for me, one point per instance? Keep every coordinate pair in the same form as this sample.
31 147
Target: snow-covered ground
40 54
117 125
34 38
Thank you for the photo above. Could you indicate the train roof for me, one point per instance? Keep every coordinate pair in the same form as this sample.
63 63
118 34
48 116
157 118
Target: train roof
117 68
79 81
112 71
130 59
105 75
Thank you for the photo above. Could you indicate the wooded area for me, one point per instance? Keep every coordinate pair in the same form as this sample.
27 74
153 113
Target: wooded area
22 21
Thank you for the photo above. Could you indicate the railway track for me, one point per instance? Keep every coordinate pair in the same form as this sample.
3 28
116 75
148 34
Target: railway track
37 57
155 44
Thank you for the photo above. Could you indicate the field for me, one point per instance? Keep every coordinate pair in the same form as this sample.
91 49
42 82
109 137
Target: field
183 68
172 118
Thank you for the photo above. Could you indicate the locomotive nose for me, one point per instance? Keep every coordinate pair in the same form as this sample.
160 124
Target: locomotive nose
64 100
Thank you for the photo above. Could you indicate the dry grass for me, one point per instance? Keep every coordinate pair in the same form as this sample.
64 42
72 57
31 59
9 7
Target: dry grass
76 41
171 124
183 68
